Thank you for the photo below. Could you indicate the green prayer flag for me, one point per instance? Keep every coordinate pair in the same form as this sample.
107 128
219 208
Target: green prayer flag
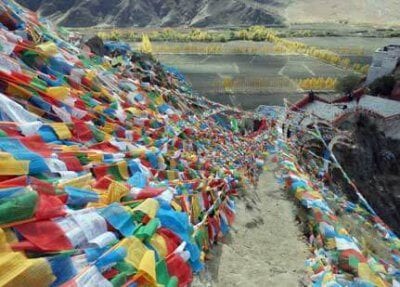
39 84
20 207
353 261
173 282
114 171
98 135
119 280
162 273
126 268
148 230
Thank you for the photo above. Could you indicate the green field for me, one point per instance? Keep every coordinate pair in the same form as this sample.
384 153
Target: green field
259 79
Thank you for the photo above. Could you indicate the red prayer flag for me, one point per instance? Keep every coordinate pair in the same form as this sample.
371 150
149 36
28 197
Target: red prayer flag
179 268
150 192
46 235
49 206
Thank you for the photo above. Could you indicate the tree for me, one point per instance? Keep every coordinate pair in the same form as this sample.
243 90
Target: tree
222 39
133 36
115 35
348 84
345 62
357 67
365 69
383 86
146 46
243 35
232 36
228 84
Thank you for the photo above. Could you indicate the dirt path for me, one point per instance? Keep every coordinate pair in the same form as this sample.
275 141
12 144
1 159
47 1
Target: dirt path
265 247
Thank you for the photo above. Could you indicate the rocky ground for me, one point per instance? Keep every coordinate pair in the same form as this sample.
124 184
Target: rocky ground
265 247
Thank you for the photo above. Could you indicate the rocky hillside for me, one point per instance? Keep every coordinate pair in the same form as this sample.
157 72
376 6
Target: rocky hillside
123 13
374 164
201 13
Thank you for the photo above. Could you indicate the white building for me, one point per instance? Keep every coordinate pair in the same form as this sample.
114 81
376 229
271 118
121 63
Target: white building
384 62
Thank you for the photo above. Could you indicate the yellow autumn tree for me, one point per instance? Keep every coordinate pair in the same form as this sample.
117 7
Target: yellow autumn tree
330 83
364 69
146 46
345 63
228 84
317 83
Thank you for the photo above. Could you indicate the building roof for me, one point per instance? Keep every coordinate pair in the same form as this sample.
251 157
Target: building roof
330 112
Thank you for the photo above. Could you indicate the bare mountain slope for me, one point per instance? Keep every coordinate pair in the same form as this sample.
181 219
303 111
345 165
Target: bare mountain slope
201 13
124 13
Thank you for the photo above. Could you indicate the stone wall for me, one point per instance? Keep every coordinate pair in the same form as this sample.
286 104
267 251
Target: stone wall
384 62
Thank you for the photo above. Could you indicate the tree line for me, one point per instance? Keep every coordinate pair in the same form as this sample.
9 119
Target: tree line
318 83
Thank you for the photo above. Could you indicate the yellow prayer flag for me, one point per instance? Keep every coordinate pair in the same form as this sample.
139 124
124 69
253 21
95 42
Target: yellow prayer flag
172 175
148 266
299 193
138 152
106 94
16 270
35 271
173 163
107 65
107 137
159 100
14 167
62 131
72 148
196 209
95 157
176 206
116 191
330 243
109 127
60 93
5 156
149 206
11 265
80 182
379 268
90 74
123 169
134 111
48 48
135 250
158 242
18 91
328 277
3 242
365 272
98 108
